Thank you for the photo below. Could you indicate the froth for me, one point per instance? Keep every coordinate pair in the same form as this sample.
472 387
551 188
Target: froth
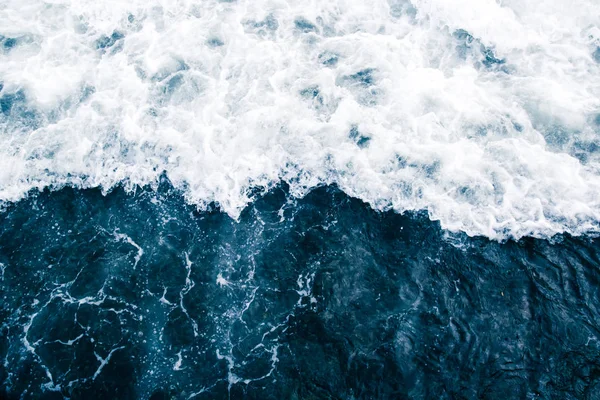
483 113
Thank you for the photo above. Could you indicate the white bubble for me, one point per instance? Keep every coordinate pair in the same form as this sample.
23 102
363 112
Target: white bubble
482 112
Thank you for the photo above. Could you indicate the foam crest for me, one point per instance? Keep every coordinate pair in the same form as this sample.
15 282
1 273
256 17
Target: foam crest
484 113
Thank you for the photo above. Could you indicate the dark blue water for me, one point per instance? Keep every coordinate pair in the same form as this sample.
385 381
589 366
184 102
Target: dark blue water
142 297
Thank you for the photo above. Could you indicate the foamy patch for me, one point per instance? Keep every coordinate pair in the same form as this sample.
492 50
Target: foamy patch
483 113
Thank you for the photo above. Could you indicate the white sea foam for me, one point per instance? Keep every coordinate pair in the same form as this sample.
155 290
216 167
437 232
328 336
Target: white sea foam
483 112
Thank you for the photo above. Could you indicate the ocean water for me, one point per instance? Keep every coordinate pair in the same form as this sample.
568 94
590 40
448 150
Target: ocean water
299 200
143 297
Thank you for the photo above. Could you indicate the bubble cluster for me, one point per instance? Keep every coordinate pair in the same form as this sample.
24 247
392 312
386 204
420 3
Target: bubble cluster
483 113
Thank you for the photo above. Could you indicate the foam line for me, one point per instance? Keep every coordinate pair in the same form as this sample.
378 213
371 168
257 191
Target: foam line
484 113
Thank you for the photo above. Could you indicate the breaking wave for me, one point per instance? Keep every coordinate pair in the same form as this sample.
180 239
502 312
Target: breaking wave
484 113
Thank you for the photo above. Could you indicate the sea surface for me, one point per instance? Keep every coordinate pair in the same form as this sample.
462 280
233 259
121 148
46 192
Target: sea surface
276 199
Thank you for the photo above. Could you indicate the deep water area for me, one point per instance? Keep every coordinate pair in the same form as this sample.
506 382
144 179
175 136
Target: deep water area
140 296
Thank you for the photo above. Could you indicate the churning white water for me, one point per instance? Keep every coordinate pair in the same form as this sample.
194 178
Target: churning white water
485 113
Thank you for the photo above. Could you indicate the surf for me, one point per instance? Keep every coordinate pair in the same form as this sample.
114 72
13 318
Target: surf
485 114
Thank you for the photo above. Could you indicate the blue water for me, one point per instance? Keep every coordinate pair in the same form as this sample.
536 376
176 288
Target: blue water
137 296
260 199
